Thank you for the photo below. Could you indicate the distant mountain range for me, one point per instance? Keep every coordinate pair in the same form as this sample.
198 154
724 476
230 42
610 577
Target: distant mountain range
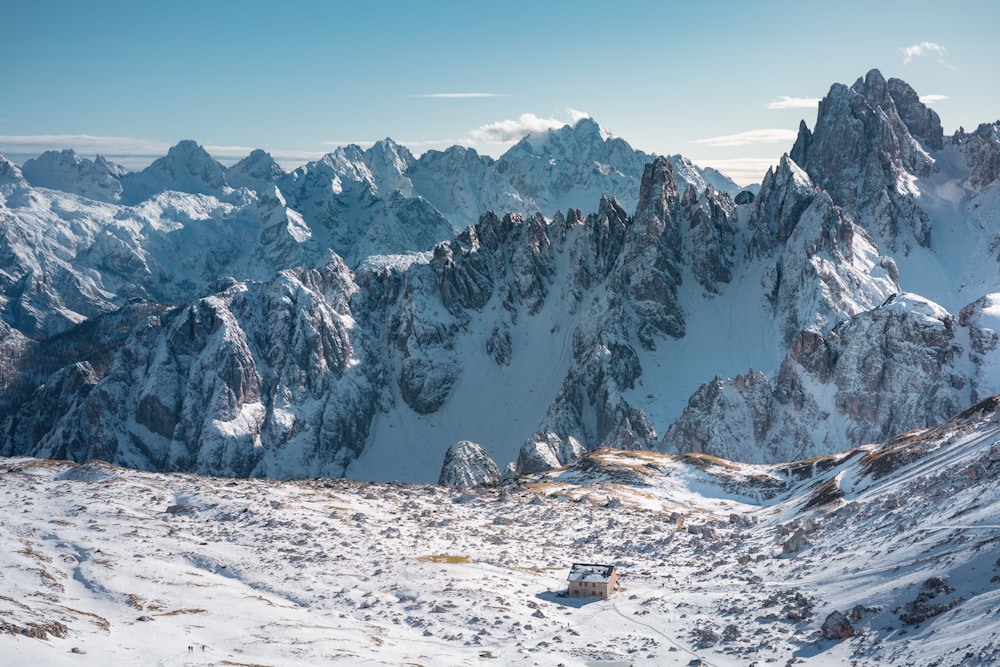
364 313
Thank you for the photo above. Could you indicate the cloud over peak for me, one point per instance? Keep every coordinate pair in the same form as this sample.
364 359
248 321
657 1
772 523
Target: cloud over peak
509 131
931 99
917 50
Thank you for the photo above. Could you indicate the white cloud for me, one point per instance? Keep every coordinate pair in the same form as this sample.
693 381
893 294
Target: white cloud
786 102
772 136
576 115
917 50
931 99
509 131
459 96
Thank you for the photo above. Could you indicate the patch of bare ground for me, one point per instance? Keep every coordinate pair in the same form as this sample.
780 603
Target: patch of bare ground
35 630
99 621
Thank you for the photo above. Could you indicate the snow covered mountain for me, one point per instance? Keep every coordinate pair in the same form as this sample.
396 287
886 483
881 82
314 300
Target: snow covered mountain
883 555
95 179
858 287
928 207
171 230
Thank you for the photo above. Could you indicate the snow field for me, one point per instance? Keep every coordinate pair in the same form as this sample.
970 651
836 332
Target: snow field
728 563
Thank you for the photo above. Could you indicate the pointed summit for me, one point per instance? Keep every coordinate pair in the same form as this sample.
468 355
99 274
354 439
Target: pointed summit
581 141
922 121
257 171
657 193
10 176
868 147
874 88
187 167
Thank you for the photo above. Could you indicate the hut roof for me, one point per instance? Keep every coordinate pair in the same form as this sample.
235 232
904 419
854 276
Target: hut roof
590 572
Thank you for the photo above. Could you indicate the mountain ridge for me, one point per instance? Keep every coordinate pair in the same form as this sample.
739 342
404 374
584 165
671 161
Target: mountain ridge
816 315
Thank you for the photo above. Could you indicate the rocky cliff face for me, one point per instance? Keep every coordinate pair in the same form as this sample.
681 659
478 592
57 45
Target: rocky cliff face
869 144
863 361
888 369
259 379
285 377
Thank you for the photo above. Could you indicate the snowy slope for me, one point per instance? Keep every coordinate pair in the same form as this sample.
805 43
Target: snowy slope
722 563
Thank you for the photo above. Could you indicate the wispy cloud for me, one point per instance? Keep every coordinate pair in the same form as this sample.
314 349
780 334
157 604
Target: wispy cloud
921 49
83 143
786 102
773 136
459 96
745 171
931 99
509 131
132 152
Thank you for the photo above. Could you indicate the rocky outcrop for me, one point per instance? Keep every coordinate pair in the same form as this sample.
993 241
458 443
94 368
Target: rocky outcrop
258 379
11 178
785 194
836 627
468 464
651 257
982 151
830 270
545 451
929 602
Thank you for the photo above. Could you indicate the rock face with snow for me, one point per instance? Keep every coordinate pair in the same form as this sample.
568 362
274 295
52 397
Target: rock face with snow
837 626
468 464
869 143
257 171
864 361
260 379
187 167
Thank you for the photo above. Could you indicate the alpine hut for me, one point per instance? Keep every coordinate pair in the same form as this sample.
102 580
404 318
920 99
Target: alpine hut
591 580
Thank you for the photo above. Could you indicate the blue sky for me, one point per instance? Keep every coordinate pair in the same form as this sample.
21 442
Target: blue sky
129 79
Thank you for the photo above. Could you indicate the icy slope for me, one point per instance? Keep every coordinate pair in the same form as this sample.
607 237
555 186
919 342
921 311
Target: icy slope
725 563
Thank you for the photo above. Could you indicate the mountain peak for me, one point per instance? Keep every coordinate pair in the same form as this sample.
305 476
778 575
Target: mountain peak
9 173
872 86
187 167
589 127
69 172
254 171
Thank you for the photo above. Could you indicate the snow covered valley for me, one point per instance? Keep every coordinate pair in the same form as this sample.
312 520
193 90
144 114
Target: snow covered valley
886 554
